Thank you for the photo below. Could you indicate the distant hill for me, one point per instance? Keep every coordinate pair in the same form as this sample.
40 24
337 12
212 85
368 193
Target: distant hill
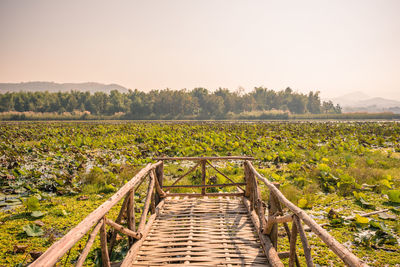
360 102
350 99
60 87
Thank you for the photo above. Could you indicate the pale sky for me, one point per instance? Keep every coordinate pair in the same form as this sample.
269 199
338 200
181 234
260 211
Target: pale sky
335 46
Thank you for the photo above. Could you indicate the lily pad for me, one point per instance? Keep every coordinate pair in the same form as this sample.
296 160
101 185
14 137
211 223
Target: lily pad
38 214
361 220
394 195
302 203
386 216
33 230
378 225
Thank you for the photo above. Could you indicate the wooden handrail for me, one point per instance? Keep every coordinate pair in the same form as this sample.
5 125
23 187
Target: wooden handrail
347 256
267 227
205 158
200 185
59 248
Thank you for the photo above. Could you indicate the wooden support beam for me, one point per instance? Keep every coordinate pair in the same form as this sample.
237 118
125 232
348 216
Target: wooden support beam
247 178
304 241
160 193
201 186
205 158
118 220
266 243
123 230
229 179
60 247
293 240
146 205
347 256
132 253
272 210
89 244
277 219
207 194
284 254
130 215
105 258
159 173
203 176
186 173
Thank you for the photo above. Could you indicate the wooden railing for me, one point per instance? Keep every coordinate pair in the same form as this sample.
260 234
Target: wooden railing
98 220
266 225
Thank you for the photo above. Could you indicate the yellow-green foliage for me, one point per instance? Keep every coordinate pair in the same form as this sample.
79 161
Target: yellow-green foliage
318 165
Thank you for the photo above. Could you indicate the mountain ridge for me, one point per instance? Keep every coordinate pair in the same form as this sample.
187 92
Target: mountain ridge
361 102
42 86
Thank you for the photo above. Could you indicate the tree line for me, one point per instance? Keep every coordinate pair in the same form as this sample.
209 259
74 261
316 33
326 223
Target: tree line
198 103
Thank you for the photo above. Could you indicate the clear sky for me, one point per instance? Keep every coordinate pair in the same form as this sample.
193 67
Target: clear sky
335 46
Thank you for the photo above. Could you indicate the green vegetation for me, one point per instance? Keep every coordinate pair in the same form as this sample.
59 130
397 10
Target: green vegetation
54 174
167 104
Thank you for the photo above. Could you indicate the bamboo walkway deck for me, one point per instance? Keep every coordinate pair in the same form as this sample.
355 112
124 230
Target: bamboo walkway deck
200 232
197 229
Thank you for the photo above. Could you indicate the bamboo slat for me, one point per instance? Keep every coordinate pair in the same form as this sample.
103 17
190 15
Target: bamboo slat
212 232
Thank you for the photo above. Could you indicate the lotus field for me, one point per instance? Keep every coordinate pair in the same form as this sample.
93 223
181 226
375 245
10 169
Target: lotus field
53 174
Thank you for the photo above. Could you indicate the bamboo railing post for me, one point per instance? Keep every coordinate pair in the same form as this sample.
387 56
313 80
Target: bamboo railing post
60 247
159 171
346 255
304 241
131 215
273 204
203 176
105 258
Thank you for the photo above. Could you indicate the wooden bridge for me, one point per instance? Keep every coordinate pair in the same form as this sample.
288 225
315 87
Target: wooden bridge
198 229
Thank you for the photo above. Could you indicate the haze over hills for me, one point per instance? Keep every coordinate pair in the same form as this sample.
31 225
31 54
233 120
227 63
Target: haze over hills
361 102
60 87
